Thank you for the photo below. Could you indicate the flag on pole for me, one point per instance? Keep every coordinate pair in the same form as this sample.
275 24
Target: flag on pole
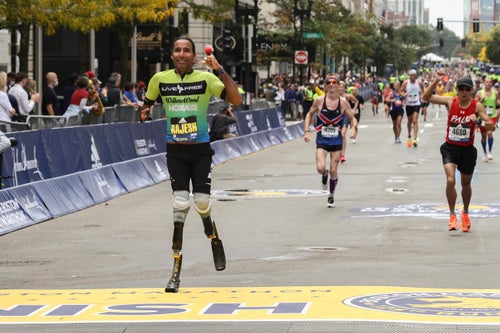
382 18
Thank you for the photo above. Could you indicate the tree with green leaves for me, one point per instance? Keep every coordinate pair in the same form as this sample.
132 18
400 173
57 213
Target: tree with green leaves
493 46
82 16
344 34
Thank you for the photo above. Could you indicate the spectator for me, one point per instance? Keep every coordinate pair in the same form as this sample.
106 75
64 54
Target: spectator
6 109
94 101
30 87
11 80
223 125
141 91
25 104
270 94
114 93
308 94
299 99
50 105
129 95
68 91
289 106
79 98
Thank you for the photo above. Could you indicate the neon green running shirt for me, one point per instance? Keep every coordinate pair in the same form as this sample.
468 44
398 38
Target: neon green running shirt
185 102
490 103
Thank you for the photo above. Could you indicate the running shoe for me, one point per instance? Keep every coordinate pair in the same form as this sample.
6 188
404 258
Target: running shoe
453 225
408 143
324 181
490 157
398 140
354 141
415 143
342 159
331 202
465 221
485 158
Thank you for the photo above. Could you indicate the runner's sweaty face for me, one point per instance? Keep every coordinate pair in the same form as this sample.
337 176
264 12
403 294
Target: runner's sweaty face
183 56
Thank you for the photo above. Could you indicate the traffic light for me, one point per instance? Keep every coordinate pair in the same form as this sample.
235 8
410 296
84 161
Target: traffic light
440 24
463 43
441 43
475 25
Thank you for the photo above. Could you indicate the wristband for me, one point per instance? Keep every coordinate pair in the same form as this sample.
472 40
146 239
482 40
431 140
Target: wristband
307 131
220 71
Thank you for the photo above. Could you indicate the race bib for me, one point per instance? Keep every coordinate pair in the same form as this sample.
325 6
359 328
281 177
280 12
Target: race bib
489 110
459 132
329 131
184 129
412 98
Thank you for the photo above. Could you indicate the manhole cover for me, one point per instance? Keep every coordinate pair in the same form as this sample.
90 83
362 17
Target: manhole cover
396 190
397 180
321 248
408 164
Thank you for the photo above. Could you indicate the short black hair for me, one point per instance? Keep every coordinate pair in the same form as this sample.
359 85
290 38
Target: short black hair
184 38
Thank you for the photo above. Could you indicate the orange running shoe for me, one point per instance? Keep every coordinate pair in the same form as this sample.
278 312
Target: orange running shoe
465 221
453 223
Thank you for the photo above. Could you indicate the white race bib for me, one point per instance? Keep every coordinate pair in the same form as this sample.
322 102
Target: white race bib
459 133
329 131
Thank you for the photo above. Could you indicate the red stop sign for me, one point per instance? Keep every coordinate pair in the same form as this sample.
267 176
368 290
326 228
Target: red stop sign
301 57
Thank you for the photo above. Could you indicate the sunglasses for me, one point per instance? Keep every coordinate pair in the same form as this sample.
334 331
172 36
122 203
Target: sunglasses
462 88
331 81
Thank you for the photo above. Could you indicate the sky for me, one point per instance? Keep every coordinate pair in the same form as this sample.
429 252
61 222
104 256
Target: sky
448 10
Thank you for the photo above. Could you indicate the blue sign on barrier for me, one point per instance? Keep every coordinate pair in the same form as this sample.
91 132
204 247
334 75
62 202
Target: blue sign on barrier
156 165
30 202
102 183
149 138
12 216
133 174
28 161
63 195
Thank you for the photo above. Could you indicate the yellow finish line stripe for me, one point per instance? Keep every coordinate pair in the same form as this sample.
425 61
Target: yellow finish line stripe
338 303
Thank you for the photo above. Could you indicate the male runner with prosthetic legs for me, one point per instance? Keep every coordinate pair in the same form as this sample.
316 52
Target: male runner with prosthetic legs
185 94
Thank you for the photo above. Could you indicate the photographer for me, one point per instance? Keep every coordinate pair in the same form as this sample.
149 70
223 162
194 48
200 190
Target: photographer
223 124
6 143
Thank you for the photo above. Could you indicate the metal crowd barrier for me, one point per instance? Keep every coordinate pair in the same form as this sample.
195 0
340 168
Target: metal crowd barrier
13 126
40 122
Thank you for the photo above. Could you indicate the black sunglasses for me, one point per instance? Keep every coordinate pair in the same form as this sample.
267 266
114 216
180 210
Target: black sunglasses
462 88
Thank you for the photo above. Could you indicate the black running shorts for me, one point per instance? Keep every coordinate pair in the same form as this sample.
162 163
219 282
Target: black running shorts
190 163
329 149
411 109
463 156
396 114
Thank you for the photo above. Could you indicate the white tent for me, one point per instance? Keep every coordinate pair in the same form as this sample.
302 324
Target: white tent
433 57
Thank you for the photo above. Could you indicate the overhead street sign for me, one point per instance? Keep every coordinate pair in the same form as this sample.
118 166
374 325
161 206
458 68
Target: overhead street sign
312 35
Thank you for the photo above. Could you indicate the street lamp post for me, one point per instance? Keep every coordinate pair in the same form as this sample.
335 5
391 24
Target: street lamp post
250 36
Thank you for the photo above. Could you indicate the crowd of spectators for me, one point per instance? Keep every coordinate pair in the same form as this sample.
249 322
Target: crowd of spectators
84 94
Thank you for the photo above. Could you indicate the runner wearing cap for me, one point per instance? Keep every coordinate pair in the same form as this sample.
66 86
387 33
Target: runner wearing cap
458 152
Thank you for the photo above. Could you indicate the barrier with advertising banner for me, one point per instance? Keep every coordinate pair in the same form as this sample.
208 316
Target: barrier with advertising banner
59 171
